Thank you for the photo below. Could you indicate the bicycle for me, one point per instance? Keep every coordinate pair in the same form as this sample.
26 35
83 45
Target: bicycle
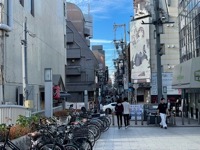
8 142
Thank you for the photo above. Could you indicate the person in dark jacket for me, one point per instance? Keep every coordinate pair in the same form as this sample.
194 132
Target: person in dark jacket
119 111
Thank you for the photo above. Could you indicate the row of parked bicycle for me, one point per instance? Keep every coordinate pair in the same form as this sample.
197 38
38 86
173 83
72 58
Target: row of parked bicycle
79 131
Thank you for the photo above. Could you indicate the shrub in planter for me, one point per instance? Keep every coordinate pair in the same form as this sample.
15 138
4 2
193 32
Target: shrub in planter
23 126
2 132
18 131
61 113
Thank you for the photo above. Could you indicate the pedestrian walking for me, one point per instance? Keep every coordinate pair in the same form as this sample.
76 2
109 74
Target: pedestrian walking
162 110
119 111
126 112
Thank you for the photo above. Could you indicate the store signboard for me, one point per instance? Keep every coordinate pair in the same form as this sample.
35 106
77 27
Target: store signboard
136 110
166 82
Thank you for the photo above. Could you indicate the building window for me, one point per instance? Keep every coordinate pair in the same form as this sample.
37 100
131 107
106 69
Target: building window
21 2
32 8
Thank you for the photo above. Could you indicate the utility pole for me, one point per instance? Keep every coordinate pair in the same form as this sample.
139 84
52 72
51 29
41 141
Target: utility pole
24 61
122 56
157 24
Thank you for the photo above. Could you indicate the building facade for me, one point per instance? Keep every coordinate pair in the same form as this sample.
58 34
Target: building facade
187 73
80 71
46 29
143 52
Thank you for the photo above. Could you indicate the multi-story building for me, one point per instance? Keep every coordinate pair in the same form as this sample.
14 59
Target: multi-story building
46 29
187 73
143 52
101 72
80 71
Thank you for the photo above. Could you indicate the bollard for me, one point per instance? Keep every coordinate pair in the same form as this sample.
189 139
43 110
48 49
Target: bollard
135 118
198 117
148 119
113 118
182 118
175 119
188 117
156 120
142 118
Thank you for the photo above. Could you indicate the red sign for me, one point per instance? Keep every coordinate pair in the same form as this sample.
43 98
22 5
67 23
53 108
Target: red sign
56 92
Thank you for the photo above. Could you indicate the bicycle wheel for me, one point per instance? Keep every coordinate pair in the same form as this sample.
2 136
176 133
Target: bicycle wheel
70 147
82 143
95 129
51 146
91 137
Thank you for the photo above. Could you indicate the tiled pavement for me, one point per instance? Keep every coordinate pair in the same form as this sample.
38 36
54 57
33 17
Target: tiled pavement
145 137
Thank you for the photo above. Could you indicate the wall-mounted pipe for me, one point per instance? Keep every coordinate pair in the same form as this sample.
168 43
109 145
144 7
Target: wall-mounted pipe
8 27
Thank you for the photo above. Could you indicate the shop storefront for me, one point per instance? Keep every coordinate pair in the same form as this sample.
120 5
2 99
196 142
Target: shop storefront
186 76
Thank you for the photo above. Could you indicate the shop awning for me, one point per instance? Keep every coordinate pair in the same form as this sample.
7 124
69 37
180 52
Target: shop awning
187 74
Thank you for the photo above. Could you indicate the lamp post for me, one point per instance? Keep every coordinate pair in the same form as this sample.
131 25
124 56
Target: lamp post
48 92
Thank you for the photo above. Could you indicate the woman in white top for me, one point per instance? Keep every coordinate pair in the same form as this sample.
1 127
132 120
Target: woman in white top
126 112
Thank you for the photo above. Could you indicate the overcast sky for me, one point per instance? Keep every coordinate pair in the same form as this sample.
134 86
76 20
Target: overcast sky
105 13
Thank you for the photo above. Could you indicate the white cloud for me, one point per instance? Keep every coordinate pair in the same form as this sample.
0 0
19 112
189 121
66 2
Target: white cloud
100 41
102 7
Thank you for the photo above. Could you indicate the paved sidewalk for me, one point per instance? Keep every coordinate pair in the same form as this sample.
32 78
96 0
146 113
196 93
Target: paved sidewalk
179 122
150 138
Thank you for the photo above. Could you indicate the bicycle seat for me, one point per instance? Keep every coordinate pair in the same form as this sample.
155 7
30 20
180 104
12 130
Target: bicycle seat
34 135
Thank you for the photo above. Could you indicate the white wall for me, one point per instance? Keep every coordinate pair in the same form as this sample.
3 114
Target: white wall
46 50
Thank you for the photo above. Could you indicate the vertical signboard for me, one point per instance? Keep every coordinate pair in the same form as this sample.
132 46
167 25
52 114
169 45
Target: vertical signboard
140 50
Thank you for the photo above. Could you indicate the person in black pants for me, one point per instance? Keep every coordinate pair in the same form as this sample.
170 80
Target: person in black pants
119 111
126 112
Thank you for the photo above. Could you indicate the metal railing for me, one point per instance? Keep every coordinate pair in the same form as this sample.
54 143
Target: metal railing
10 113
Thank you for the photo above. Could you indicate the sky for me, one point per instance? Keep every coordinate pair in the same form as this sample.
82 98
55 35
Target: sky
105 14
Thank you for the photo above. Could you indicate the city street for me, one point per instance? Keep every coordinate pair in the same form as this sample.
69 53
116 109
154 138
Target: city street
150 138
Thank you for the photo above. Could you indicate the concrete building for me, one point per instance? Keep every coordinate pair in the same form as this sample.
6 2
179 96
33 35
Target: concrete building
187 74
80 71
46 29
101 72
143 51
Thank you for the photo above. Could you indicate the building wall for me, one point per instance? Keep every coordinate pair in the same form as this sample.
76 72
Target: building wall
189 25
79 55
170 39
46 50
